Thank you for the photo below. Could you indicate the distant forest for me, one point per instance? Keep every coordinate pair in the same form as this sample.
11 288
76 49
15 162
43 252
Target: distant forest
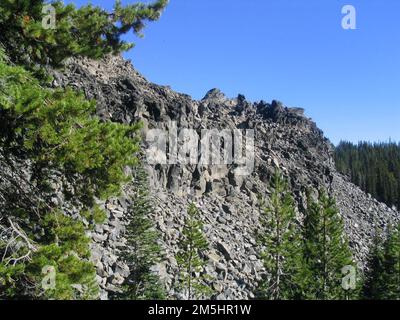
375 167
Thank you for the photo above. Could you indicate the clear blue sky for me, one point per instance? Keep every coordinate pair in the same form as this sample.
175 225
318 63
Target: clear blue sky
291 50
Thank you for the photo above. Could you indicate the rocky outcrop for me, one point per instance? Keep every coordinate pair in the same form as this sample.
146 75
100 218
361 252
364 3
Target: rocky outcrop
284 138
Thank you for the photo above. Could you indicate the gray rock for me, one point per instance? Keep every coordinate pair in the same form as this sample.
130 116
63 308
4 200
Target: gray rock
225 250
284 138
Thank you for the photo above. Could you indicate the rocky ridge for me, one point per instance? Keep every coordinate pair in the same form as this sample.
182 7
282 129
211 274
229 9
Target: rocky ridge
284 138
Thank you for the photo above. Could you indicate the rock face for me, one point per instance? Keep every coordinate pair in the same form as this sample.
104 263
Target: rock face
283 138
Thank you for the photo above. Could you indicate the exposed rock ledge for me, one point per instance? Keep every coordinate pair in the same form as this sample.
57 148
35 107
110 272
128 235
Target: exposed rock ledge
284 138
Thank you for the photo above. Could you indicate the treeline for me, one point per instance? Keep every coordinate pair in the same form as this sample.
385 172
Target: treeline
374 167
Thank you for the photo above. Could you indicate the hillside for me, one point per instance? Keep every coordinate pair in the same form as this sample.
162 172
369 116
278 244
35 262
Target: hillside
284 138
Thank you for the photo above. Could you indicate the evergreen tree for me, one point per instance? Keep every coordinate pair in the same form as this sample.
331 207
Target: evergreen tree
52 265
375 168
57 132
281 245
87 31
383 276
326 249
190 257
374 286
143 250
391 265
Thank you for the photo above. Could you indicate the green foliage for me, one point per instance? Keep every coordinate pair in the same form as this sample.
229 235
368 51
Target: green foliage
56 129
375 168
281 245
307 262
190 257
55 267
326 249
374 286
57 132
95 215
383 277
86 31
391 276
9 274
143 251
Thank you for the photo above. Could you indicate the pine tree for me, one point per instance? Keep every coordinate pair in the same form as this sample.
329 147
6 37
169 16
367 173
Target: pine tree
383 276
143 250
391 265
62 248
281 245
87 31
375 168
326 249
57 132
374 286
191 257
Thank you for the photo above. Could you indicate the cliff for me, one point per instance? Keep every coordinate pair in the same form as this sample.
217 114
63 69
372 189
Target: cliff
284 138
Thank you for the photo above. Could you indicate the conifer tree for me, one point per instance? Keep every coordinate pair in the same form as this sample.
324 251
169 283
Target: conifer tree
191 257
143 250
374 167
374 286
391 265
281 245
383 275
326 249
61 250
57 132
86 31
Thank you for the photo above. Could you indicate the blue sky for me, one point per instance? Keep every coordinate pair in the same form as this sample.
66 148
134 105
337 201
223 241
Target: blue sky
291 50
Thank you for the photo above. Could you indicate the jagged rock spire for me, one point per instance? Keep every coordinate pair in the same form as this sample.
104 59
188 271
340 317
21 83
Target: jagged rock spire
215 95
